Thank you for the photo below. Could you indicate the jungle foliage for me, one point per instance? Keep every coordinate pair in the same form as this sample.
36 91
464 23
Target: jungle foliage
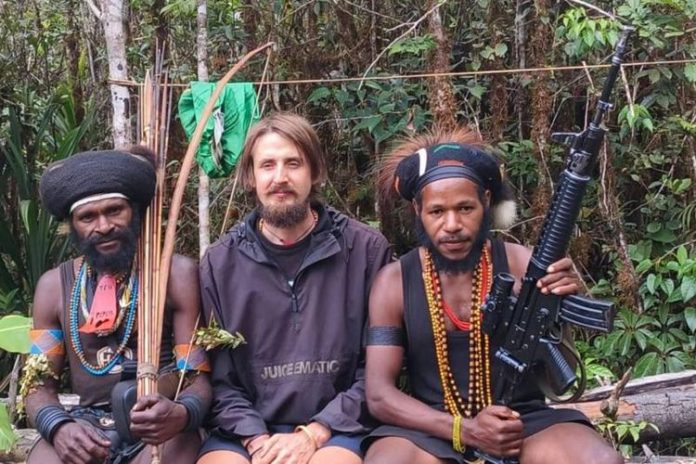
635 242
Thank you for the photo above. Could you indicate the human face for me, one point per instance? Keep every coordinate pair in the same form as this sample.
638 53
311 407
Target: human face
282 178
106 232
452 215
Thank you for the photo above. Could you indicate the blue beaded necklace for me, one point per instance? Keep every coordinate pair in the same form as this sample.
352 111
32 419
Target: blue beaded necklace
75 334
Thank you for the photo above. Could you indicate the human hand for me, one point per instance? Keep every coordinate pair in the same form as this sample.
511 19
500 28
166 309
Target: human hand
285 448
155 419
560 279
496 430
80 443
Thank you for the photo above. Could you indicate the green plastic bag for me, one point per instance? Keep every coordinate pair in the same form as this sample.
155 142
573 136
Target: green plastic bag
224 134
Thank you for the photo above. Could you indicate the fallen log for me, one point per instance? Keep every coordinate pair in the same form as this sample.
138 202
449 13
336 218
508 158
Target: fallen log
667 401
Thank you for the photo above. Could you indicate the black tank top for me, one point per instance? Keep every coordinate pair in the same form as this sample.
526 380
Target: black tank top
96 390
421 361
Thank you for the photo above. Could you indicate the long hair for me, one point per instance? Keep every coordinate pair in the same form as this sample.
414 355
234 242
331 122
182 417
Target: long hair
297 130
409 145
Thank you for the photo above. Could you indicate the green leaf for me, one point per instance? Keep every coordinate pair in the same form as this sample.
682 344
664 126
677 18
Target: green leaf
690 316
663 236
667 286
501 49
7 435
368 123
690 72
651 283
682 254
477 91
318 94
646 365
14 333
653 227
644 266
688 288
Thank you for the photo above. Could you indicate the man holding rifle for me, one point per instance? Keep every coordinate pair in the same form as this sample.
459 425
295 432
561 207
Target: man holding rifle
427 307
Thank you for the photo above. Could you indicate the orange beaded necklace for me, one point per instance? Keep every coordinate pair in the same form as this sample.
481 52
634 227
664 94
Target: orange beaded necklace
479 360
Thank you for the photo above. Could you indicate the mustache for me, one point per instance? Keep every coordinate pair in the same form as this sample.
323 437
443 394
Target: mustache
282 190
113 235
456 238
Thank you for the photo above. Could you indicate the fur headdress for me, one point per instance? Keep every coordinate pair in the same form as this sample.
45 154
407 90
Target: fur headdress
87 174
417 161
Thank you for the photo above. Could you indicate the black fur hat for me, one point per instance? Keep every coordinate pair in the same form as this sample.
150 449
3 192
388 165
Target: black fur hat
96 172
447 160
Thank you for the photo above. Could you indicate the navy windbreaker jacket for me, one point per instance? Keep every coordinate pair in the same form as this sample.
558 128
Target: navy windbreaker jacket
303 358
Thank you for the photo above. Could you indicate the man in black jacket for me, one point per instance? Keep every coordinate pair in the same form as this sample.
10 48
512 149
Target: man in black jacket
293 277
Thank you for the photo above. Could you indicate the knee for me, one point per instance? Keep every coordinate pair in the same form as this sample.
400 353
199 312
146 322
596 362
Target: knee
182 448
376 455
43 453
606 455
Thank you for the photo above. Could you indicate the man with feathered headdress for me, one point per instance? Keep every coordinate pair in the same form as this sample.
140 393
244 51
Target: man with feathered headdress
427 308
84 318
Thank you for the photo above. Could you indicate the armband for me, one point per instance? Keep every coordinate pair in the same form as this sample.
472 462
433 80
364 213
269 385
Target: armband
47 341
48 419
191 358
384 335
194 408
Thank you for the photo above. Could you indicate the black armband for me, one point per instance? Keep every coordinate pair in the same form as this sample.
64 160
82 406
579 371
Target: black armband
385 335
48 419
194 408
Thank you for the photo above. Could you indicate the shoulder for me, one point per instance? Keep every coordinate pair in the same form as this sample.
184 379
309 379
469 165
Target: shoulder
226 243
389 276
50 281
48 299
386 296
183 266
183 279
518 258
360 231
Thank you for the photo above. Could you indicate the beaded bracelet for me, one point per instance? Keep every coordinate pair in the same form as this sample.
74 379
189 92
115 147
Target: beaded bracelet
305 429
457 434
48 419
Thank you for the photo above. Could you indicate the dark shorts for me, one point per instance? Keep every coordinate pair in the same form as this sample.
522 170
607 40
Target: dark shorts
218 443
534 422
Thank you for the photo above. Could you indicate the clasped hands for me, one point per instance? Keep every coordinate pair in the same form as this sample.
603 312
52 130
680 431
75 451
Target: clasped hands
287 448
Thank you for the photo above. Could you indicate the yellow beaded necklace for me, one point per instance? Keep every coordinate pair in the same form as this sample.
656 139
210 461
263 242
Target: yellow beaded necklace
479 360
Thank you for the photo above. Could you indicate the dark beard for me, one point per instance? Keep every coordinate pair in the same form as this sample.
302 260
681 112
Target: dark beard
117 263
454 266
284 217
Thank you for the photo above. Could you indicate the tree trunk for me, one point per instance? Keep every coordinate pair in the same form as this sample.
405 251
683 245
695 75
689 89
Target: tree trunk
203 181
668 401
440 89
115 35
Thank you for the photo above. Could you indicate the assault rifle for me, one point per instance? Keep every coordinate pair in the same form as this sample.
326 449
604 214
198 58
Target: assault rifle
526 331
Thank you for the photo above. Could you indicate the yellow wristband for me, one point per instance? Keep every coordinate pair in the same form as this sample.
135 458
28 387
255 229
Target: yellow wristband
457 434
312 438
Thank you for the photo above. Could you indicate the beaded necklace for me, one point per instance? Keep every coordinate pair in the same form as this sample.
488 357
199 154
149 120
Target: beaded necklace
479 361
74 316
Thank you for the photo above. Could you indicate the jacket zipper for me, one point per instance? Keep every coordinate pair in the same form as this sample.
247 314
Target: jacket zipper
295 305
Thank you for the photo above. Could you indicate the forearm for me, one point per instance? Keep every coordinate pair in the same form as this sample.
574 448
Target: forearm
39 398
394 407
343 413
